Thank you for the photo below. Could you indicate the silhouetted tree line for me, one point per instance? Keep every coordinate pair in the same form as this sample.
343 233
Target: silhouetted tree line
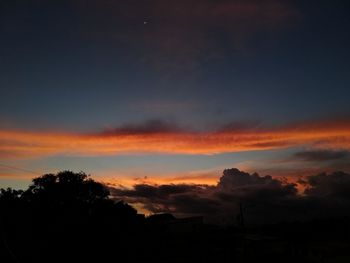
62 194
68 217
59 212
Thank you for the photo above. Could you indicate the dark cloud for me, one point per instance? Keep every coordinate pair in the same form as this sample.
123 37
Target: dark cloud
219 202
148 127
336 185
169 197
258 194
263 198
326 160
322 155
161 191
250 186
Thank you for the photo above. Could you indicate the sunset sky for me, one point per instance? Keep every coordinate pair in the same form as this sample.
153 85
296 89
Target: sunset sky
163 91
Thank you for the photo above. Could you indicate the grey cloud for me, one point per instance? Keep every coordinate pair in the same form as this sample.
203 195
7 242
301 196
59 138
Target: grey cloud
148 127
336 185
322 155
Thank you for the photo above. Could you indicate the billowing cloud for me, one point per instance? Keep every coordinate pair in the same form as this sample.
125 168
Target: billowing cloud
335 186
263 198
161 137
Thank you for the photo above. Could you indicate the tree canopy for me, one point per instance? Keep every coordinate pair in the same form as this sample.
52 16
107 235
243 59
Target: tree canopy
66 190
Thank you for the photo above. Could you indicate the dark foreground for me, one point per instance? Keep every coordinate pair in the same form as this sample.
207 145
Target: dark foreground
104 239
70 218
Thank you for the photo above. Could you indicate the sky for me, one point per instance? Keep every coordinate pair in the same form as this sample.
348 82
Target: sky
173 92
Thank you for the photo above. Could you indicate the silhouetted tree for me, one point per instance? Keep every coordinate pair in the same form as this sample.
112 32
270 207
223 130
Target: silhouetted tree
66 187
10 194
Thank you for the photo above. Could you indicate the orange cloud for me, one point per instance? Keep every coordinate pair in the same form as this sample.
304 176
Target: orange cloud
23 144
118 179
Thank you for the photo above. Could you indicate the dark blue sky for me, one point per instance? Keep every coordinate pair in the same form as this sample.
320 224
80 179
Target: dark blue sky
82 67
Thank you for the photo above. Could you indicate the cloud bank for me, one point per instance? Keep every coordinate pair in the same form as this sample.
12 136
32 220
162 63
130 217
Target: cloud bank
263 198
